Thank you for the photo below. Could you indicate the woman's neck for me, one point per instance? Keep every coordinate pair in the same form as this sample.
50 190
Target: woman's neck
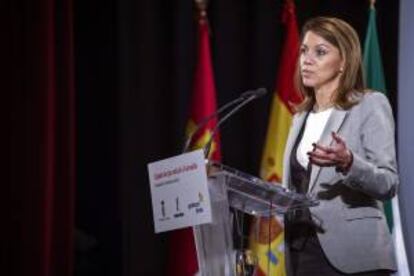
324 97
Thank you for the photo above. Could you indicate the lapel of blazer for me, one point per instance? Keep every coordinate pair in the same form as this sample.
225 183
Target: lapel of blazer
296 127
334 123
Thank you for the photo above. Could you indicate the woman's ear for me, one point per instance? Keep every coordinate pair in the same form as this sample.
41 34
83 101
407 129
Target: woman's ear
341 68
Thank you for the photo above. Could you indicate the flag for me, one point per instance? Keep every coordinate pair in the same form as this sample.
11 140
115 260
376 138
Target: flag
182 259
374 77
374 73
203 102
267 237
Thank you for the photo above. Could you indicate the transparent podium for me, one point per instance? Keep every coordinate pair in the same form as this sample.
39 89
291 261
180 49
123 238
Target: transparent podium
230 188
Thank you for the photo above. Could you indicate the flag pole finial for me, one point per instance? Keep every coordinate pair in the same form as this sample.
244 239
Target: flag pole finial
202 8
372 3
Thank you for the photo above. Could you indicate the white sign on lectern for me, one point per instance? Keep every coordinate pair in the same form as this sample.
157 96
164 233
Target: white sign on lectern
179 191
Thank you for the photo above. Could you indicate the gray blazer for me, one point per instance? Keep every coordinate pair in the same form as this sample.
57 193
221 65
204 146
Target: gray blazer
356 237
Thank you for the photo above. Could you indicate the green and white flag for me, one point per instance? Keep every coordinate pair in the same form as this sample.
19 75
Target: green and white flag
374 77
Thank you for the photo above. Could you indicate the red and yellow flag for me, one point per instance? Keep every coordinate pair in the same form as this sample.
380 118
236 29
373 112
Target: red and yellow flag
203 102
182 259
267 238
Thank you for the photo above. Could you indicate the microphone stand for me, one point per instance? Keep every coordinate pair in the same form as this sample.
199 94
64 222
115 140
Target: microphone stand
207 147
239 99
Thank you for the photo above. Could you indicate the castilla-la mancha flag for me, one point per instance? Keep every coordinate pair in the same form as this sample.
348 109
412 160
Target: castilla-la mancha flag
182 258
267 236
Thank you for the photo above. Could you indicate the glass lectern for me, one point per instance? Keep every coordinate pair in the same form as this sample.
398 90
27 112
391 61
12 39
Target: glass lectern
230 188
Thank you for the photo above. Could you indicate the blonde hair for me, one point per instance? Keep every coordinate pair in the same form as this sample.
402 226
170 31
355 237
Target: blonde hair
351 84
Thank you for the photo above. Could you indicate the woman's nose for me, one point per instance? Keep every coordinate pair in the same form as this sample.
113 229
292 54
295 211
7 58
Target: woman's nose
307 59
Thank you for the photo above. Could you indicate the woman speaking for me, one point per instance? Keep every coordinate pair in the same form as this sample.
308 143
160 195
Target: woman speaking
341 149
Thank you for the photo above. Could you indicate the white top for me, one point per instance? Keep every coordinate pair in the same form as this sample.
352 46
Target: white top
315 124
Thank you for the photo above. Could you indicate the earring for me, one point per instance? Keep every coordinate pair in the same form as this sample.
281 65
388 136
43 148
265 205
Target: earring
341 70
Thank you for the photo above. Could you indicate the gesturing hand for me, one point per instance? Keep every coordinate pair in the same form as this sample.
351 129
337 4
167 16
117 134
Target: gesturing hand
337 155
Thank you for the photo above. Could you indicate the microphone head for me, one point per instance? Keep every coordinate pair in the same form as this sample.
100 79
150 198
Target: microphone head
260 92
254 93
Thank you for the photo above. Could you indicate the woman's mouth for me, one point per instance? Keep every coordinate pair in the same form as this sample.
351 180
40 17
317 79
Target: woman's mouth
306 73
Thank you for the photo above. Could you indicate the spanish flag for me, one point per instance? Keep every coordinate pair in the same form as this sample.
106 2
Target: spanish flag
267 237
182 257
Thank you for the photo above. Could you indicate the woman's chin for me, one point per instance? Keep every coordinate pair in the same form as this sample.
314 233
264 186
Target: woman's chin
308 84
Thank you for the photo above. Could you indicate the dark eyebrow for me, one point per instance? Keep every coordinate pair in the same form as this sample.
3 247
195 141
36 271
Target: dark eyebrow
317 45
324 45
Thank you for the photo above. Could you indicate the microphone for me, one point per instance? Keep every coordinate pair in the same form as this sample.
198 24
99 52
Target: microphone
254 93
246 98
250 93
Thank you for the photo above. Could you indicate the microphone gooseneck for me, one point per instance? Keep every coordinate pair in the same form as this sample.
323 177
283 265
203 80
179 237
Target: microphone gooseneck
247 97
250 93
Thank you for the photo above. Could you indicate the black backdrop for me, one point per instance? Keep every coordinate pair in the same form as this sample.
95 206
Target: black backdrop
134 64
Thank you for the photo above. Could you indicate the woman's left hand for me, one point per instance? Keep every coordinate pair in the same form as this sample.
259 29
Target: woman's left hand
337 155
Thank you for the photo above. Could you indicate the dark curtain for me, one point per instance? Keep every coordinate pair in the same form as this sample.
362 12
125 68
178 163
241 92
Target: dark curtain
98 200
40 237
133 63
